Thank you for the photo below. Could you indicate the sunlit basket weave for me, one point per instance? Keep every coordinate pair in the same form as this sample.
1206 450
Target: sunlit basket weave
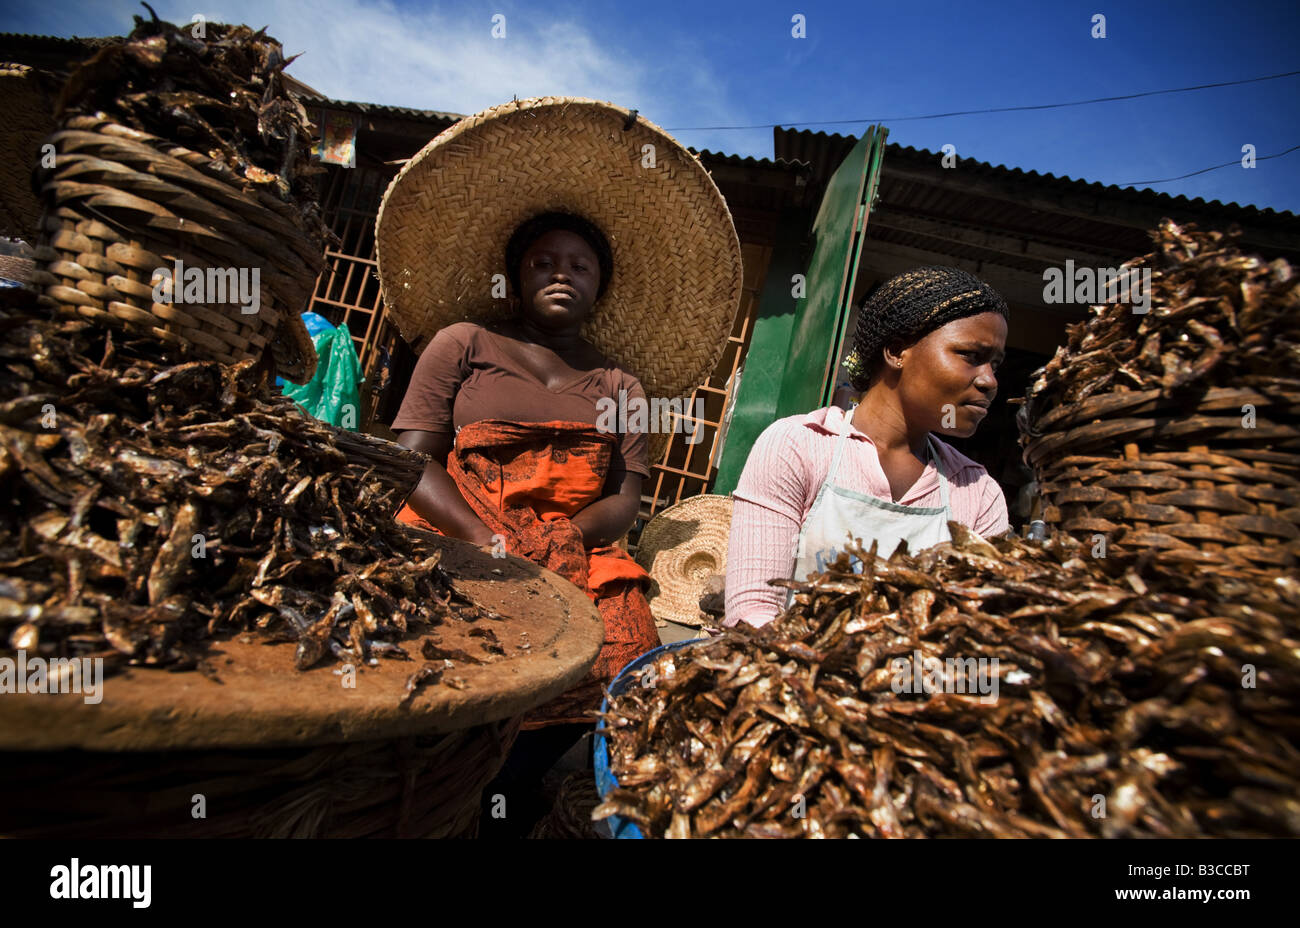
120 203
424 787
1187 477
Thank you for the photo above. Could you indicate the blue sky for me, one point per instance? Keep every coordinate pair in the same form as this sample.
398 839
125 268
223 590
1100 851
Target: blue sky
688 64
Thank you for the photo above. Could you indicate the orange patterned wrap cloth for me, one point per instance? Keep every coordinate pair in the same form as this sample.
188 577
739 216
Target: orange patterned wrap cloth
526 481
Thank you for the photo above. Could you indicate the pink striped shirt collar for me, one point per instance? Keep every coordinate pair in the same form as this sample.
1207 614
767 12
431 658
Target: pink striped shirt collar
831 419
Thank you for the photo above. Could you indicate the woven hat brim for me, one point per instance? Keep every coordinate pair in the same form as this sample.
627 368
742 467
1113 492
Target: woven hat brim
681 548
445 220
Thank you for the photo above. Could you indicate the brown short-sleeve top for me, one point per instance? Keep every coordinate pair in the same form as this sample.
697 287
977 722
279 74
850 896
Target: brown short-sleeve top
466 375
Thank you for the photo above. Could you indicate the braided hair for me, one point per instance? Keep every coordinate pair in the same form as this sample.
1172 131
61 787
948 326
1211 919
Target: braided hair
910 306
530 230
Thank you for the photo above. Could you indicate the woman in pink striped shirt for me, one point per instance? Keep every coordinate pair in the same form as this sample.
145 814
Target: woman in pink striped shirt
925 353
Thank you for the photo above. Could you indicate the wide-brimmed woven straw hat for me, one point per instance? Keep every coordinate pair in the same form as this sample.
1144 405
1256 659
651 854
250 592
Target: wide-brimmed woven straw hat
446 218
682 547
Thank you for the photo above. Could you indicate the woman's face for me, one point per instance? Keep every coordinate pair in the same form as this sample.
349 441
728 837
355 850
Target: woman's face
559 277
948 377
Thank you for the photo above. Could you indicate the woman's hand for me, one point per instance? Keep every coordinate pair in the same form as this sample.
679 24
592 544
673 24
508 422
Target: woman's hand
437 499
611 517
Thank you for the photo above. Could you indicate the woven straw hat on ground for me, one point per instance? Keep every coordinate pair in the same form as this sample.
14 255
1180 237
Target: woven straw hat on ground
682 547
446 218
26 118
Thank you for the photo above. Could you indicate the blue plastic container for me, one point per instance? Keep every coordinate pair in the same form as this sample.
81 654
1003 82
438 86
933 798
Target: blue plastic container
618 826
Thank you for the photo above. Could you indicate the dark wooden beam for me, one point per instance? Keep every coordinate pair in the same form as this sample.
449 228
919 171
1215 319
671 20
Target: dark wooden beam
1014 246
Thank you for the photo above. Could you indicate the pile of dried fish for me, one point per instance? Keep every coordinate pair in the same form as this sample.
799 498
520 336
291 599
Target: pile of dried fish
1217 318
222 94
1004 689
148 504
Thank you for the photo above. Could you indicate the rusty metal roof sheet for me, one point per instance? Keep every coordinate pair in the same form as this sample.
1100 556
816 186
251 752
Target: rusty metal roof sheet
381 109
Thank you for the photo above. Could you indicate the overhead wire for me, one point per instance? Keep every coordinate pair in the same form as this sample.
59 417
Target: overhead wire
1226 164
991 109
1037 106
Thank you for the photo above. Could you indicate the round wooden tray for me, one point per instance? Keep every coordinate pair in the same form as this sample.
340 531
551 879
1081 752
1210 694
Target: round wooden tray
262 701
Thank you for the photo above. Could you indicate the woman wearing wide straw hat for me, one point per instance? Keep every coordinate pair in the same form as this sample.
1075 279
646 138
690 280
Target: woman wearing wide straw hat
553 253
927 346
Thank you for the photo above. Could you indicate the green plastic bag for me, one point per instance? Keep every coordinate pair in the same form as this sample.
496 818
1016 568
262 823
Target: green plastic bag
333 394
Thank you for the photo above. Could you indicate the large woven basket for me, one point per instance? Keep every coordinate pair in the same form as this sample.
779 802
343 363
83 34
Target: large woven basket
1145 471
424 787
1176 429
120 204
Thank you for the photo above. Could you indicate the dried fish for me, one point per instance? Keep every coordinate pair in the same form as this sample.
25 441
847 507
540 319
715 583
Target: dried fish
1087 725
427 674
223 95
183 500
1217 318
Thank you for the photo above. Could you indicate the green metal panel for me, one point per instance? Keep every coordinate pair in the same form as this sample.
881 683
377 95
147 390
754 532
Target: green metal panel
796 343
764 364
871 194
822 315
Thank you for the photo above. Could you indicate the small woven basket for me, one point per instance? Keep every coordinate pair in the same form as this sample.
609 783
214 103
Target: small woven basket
120 204
570 815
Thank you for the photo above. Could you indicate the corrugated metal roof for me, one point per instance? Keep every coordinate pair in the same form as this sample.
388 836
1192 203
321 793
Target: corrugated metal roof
717 157
49 52
1137 194
822 151
380 109
825 151
52 42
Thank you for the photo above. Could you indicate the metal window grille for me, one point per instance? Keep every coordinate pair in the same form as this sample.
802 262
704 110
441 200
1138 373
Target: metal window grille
347 291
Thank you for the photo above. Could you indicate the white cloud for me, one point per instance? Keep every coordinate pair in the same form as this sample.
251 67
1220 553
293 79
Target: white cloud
437 59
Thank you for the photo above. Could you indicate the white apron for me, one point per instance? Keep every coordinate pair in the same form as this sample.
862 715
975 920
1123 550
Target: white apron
838 513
